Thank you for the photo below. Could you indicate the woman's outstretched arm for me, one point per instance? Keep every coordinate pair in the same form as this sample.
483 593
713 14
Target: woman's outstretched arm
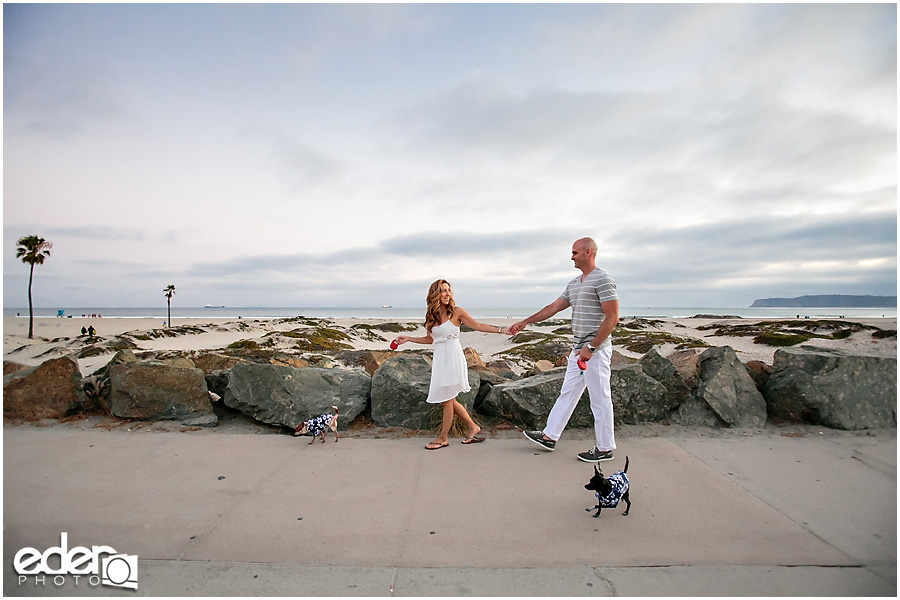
415 340
468 321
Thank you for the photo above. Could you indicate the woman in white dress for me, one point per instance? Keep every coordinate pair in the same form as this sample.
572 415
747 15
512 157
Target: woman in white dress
449 373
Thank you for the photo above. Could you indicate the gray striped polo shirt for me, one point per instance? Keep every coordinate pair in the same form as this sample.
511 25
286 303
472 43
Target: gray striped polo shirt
585 297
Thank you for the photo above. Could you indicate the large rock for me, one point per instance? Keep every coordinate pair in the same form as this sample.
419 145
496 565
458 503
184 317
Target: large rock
473 361
620 360
687 363
542 366
287 396
51 390
500 367
489 378
833 388
209 362
400 387
663 370
121 357
180 362
155 390
376 358
283 358
726 395
759 373
528 401
637 398
10 367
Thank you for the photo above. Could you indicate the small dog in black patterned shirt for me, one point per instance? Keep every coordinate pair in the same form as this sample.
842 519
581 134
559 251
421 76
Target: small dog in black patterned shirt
610 490
319 426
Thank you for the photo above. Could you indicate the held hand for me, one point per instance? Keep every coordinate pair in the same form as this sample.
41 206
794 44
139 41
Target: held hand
585 354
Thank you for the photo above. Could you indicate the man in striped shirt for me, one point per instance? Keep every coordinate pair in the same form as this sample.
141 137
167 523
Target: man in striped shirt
595 312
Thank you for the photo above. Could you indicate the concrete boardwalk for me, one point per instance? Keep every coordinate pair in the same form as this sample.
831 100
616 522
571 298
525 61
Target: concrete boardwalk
238 514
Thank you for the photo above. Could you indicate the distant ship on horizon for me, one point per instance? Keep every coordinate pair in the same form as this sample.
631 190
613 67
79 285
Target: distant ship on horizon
386 306
214 306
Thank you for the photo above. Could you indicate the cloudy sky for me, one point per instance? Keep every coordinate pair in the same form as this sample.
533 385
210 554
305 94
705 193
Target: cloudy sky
348 155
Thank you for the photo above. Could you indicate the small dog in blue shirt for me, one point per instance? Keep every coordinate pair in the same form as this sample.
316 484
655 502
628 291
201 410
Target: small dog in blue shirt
609 491
319 426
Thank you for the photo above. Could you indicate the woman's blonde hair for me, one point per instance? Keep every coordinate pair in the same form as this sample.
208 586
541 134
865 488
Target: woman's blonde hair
434 308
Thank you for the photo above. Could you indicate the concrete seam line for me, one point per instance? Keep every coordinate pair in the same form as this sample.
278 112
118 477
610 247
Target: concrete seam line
225 512
412 498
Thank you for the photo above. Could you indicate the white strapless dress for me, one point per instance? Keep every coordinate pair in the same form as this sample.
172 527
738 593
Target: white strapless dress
449 373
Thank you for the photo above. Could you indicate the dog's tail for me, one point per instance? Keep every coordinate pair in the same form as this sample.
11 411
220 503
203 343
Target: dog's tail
625 470
335 409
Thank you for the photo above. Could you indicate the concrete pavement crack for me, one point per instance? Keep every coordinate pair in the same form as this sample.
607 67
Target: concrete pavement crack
610 587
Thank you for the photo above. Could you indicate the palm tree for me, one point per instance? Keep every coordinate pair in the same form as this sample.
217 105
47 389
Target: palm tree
32 250
169 292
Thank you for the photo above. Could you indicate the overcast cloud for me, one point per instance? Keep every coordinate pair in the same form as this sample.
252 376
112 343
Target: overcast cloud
348 155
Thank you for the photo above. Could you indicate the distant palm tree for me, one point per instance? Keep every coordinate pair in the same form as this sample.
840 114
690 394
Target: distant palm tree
32 250
169 291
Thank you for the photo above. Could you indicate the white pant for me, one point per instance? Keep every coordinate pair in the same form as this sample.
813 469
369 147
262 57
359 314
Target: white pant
596 379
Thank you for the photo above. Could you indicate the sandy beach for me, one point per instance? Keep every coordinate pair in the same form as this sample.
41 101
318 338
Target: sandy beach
59 336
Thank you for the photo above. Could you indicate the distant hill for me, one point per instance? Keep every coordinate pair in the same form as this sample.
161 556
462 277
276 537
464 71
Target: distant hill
829 301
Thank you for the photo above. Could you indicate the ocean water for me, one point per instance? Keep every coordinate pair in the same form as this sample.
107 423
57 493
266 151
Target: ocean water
418 313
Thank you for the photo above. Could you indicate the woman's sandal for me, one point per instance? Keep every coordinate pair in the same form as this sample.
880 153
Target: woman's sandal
472 440
436 445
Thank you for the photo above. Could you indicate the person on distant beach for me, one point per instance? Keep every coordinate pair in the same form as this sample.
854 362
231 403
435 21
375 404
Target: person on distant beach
449 373
595 313
91 331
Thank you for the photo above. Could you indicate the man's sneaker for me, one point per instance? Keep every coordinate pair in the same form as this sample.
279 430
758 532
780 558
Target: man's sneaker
594 456
538 438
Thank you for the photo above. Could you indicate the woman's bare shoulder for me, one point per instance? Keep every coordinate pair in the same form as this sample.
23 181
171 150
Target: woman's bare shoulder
459 313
